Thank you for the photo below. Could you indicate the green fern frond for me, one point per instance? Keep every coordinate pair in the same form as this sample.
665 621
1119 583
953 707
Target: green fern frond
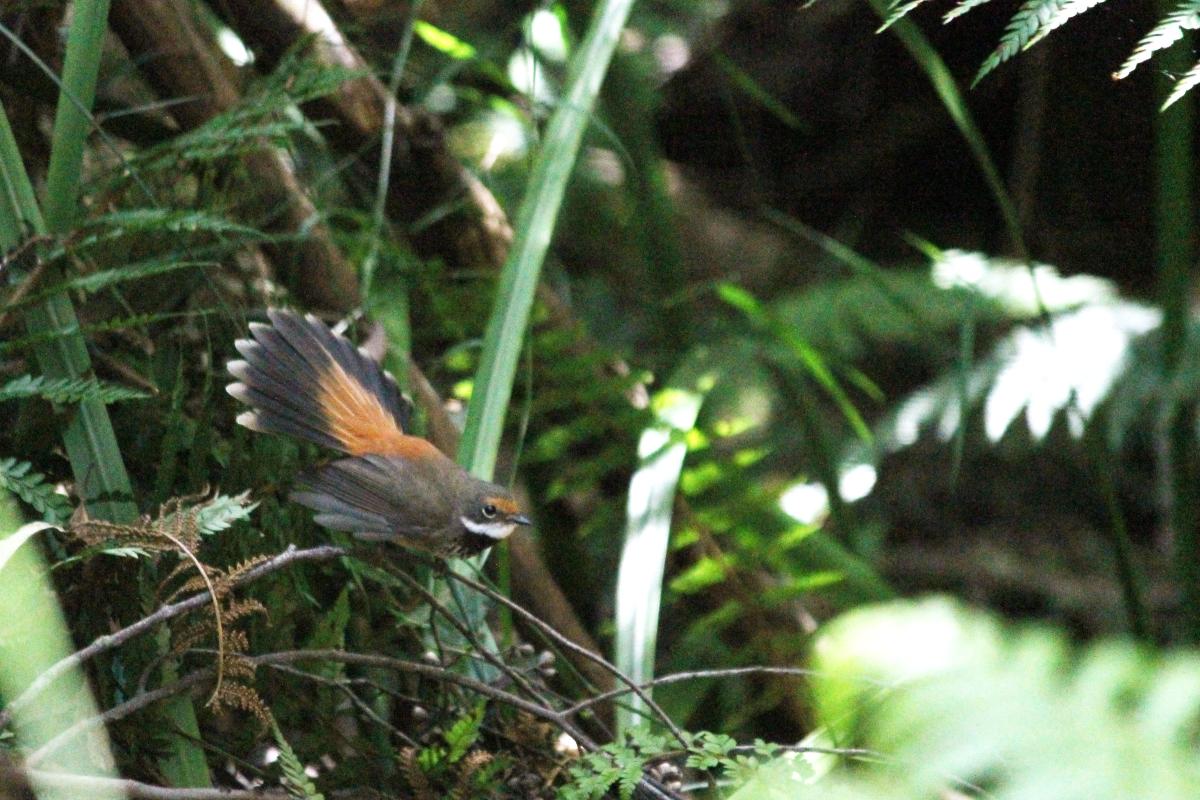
1072 8
298 79
262 120
104 279
1168 31
1030 18
118 324
295 780
897 11
463 734
220 140
67 390
222 511
1183 85
962 8
157 221
31 487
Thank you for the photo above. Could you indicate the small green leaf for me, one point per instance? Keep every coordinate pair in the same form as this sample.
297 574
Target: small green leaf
704 573
743 301
444 41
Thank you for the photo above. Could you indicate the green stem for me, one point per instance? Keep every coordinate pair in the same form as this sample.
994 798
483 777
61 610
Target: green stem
502 343
943 84
1174 214
1132 590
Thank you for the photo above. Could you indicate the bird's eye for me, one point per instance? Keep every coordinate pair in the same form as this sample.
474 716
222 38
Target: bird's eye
489 511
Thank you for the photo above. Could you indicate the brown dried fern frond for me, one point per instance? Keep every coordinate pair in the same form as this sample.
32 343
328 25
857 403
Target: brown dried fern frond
236 571
97 532
176 573
236 643
238 609
468 767
185 638
229 693
233 695
223 580
239 667
178 527
209 581
414 776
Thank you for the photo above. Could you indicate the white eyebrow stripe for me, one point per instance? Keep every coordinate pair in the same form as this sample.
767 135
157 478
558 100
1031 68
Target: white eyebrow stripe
492 530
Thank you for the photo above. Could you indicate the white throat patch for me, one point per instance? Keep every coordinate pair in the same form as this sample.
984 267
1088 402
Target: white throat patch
493 530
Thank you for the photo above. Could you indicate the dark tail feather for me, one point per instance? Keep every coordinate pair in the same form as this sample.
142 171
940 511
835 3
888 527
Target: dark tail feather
280 374
313 340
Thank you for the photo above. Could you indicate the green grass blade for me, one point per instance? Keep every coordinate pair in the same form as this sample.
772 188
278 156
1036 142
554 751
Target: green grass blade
807 355
746 84
536 219
661 451
34 636
89 439
20 216
861 266
72 122
534 228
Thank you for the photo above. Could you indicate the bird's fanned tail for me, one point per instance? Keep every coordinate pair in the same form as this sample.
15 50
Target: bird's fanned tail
301 380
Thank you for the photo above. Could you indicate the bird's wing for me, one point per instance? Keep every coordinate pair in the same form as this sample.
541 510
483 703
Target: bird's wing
301 379
377 497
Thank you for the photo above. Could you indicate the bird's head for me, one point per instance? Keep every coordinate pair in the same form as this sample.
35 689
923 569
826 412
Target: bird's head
488 515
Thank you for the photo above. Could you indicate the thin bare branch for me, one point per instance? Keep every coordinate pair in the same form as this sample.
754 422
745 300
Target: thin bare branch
468 635
648 787
105 643
346 687
86 785
693 675
563 641
431 671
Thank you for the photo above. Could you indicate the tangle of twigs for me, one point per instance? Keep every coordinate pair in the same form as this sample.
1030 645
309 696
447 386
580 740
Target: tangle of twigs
525 696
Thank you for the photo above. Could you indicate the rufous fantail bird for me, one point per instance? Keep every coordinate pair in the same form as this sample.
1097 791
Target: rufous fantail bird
301 379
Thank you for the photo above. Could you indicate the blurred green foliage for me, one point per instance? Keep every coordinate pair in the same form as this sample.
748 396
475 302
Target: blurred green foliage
839 365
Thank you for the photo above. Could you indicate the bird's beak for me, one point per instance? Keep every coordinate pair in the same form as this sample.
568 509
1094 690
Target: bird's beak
521 519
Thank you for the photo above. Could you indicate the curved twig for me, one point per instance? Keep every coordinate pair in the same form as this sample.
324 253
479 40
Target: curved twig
211 591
